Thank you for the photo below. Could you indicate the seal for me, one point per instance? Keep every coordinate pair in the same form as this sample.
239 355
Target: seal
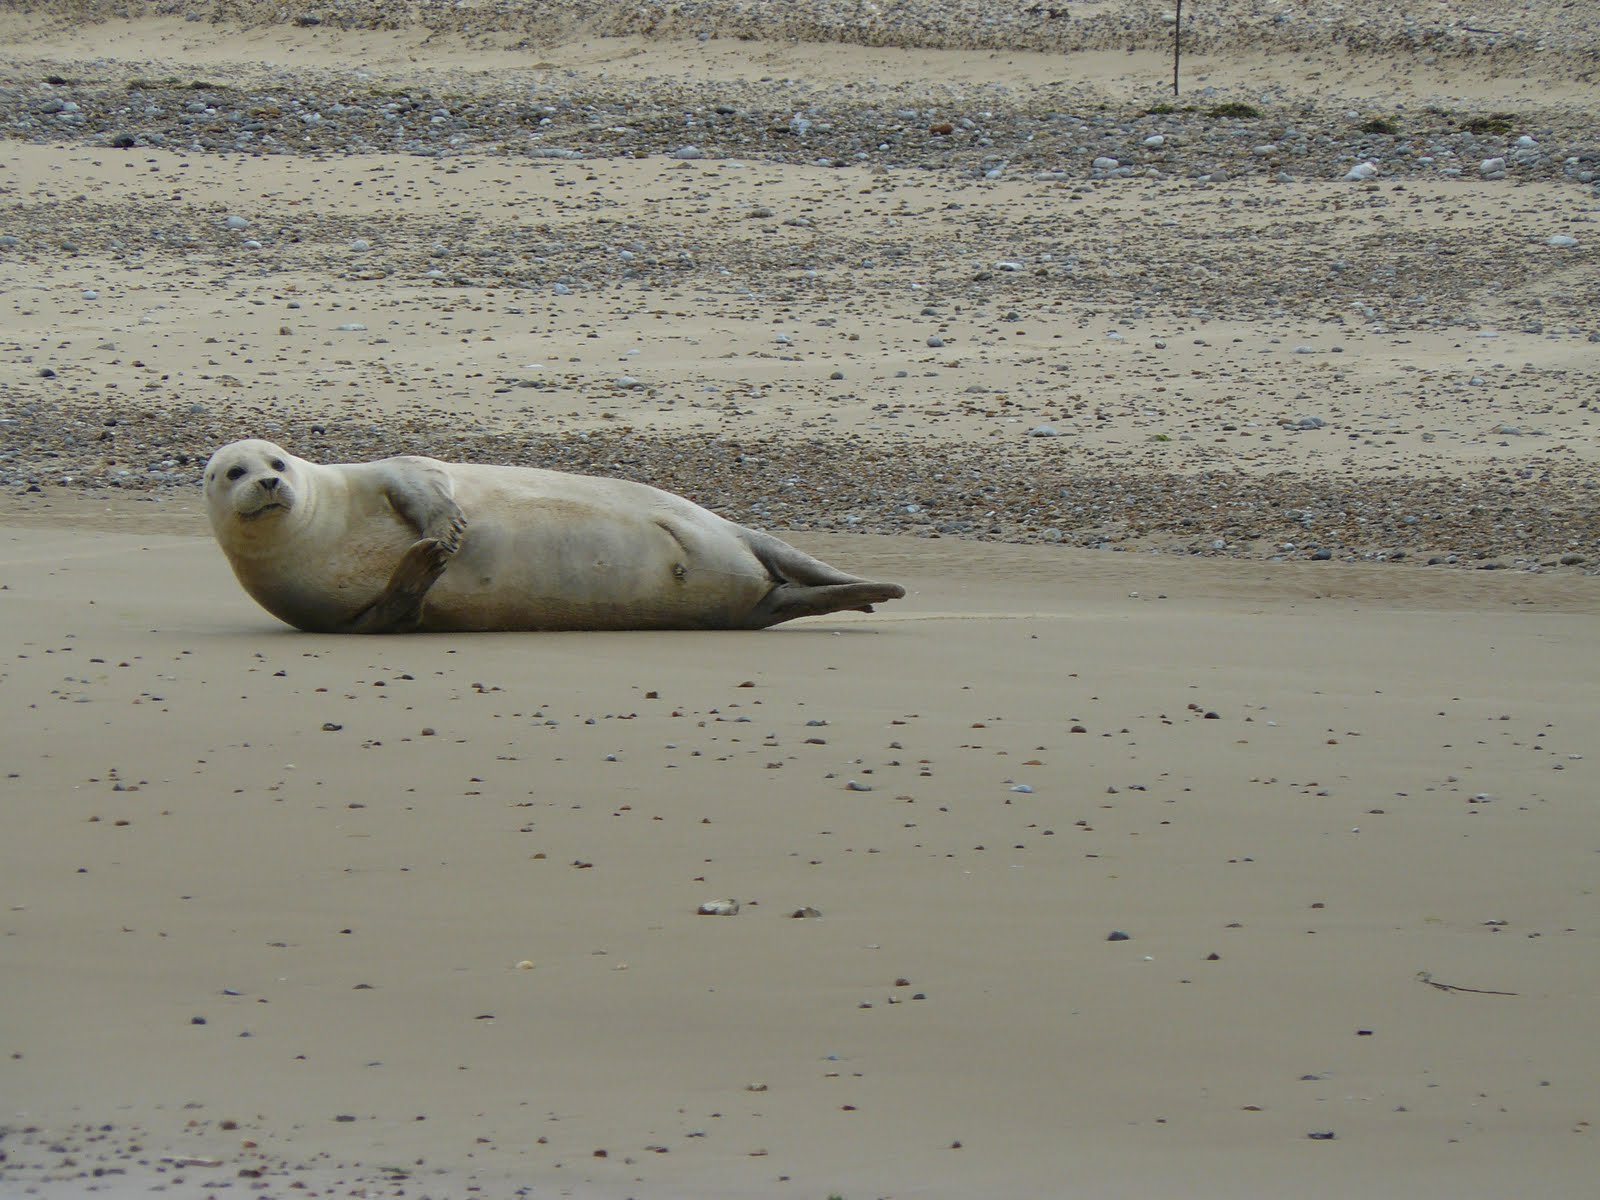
413 543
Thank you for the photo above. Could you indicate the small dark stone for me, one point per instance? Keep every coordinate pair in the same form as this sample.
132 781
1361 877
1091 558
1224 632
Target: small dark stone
124 141
1116 935
1322 1135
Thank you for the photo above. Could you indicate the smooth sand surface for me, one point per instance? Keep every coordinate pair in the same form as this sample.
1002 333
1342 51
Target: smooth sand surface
287 915
343 848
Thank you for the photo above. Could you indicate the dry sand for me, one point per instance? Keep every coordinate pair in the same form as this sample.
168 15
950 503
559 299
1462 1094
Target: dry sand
290 915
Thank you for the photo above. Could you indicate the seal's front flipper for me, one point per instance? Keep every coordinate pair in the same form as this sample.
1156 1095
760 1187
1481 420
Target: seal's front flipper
423 494
790 600
398 608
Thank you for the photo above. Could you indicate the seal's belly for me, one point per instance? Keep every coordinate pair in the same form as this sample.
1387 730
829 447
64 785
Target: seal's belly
330 585
565 565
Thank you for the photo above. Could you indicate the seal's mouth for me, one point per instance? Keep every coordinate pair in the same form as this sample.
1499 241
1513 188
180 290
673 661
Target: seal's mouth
265 508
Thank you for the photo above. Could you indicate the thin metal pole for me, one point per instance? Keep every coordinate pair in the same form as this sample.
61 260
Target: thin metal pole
1177 46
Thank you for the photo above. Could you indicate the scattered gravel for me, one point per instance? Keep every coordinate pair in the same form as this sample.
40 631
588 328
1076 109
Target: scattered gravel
1511 516
1066 139
1475 29
985 132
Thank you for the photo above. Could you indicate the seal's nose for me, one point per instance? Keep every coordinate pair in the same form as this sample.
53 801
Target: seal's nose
270 483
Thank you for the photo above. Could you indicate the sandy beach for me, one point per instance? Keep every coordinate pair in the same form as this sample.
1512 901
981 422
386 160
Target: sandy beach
1215 815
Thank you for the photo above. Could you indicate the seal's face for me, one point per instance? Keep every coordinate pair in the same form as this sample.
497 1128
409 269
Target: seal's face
252 481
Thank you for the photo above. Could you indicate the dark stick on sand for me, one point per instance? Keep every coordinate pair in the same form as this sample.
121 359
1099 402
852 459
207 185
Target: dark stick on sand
1177 45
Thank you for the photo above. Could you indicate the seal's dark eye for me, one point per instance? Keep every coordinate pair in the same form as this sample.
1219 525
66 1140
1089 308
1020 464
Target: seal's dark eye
236 473
277 465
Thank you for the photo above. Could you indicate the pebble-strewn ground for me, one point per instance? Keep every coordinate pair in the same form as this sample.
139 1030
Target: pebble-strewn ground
1464 28
1495 519
1225 231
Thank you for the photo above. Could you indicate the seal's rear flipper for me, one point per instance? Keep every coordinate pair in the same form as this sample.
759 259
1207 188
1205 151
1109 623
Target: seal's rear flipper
787 564
398 608
790 600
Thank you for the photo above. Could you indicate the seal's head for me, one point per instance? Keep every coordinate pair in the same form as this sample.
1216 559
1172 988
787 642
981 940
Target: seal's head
252 482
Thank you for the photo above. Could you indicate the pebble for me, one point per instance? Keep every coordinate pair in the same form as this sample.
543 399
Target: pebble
1562 241
719 908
